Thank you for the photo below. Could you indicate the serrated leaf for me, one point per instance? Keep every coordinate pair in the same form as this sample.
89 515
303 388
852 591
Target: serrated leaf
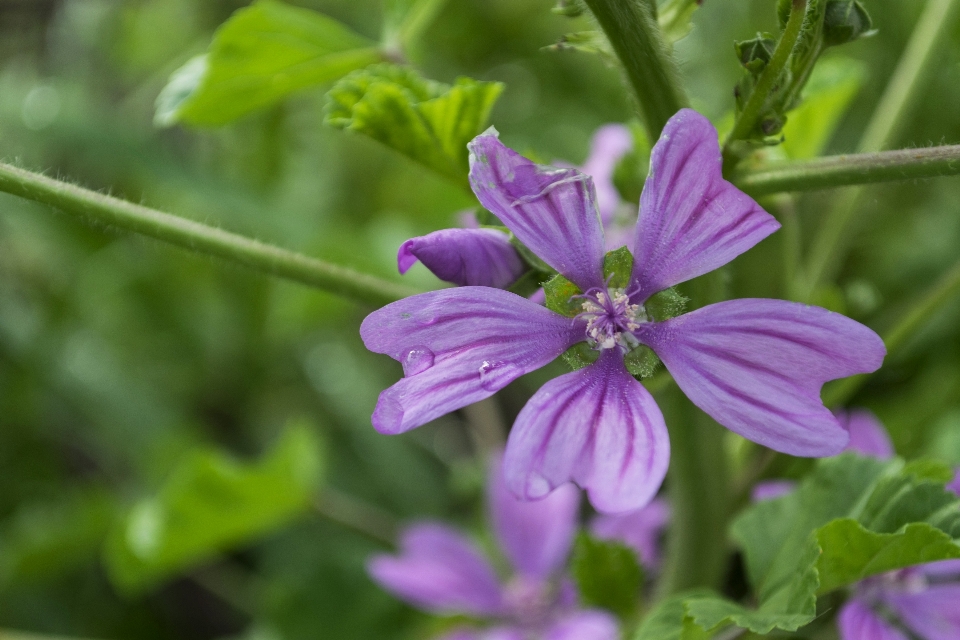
427 121
676 18
210 503
608 575
258 57
666 620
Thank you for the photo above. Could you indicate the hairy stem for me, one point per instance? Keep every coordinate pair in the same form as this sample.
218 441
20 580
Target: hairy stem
753 109
847 170
198 237
904 89
945 290
632 29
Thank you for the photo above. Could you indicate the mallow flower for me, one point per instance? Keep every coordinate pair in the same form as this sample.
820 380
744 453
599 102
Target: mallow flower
442 572
756 366
641 530
475 255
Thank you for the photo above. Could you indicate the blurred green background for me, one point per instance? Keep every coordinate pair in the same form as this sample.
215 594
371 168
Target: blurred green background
127 366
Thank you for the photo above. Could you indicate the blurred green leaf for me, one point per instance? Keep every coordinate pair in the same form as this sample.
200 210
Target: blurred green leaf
608 575
834 84
211 503
667 620
593 42
427 121
258 57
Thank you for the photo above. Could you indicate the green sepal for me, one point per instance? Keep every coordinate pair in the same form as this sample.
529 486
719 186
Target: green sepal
560 292
642 362
845 21
608 575
580 355
593 42
617 267
666 304
526 285
630 172
755 54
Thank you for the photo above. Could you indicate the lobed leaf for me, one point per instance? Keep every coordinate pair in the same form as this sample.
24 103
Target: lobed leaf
608 575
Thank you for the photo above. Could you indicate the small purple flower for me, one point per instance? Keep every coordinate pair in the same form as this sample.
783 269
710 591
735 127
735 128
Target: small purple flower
756 366
640 530
485 257
440 571
868 436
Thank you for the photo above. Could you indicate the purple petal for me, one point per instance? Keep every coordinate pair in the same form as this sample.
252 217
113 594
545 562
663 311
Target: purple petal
955 485
536 536
933 614
771 490
585 625
942 569
500 633
609 144
858 622
459 346
867 434
757 366
641 530
552 211
440 571
692 221
480 257
597 427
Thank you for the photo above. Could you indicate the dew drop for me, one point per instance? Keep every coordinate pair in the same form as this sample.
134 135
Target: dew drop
496 375
537 486
417 360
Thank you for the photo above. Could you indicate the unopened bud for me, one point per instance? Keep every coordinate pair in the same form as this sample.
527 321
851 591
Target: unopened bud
845 21
756 53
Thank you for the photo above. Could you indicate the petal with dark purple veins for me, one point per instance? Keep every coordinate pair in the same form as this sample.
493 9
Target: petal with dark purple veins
535 536
552 211
459 346
440 571
692 221
932 614
867 434
757 366
597 427
857 621
585 625
641 530
480 257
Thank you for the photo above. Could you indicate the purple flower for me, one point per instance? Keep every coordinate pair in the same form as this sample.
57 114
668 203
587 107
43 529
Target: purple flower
440 571
868 436
640 530
756 366
485 257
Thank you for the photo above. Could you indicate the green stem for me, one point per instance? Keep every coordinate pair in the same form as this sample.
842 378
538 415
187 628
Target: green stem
415 23
357 515
932 32
652 72
846 170
199 238
753 109
942 292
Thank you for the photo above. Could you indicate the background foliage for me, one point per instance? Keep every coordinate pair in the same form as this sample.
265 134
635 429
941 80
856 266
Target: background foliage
139 383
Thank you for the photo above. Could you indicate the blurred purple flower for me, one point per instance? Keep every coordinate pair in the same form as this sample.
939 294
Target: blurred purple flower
640 530
756 366
485 257
440 571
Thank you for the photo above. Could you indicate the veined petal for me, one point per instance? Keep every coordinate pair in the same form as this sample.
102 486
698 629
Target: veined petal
692 221
597 427
552 211
608 145
858 622
440 571
757 366
481 257
641 530
535 536
932 614
459 346
585 625
867 434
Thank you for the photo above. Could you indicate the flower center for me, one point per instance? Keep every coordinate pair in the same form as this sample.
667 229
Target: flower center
611 319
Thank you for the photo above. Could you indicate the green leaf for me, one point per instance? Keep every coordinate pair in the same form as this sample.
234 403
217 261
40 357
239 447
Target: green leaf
211 503
834 84
668 620
427 121
560 294
676 18
258 57
592 42
617 267
852 518
608 575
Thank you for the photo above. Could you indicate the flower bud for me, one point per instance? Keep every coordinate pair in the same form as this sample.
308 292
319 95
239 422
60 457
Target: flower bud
756 53
845 21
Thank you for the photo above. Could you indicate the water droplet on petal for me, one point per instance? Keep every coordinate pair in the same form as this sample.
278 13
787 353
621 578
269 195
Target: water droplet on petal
537 486
496 375
427 319
417 360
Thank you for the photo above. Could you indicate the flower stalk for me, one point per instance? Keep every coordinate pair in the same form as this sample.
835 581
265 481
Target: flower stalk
199 238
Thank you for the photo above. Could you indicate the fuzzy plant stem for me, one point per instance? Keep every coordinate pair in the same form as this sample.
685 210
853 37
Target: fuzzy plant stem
632 29
199 238
753 109
905 88
846 170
